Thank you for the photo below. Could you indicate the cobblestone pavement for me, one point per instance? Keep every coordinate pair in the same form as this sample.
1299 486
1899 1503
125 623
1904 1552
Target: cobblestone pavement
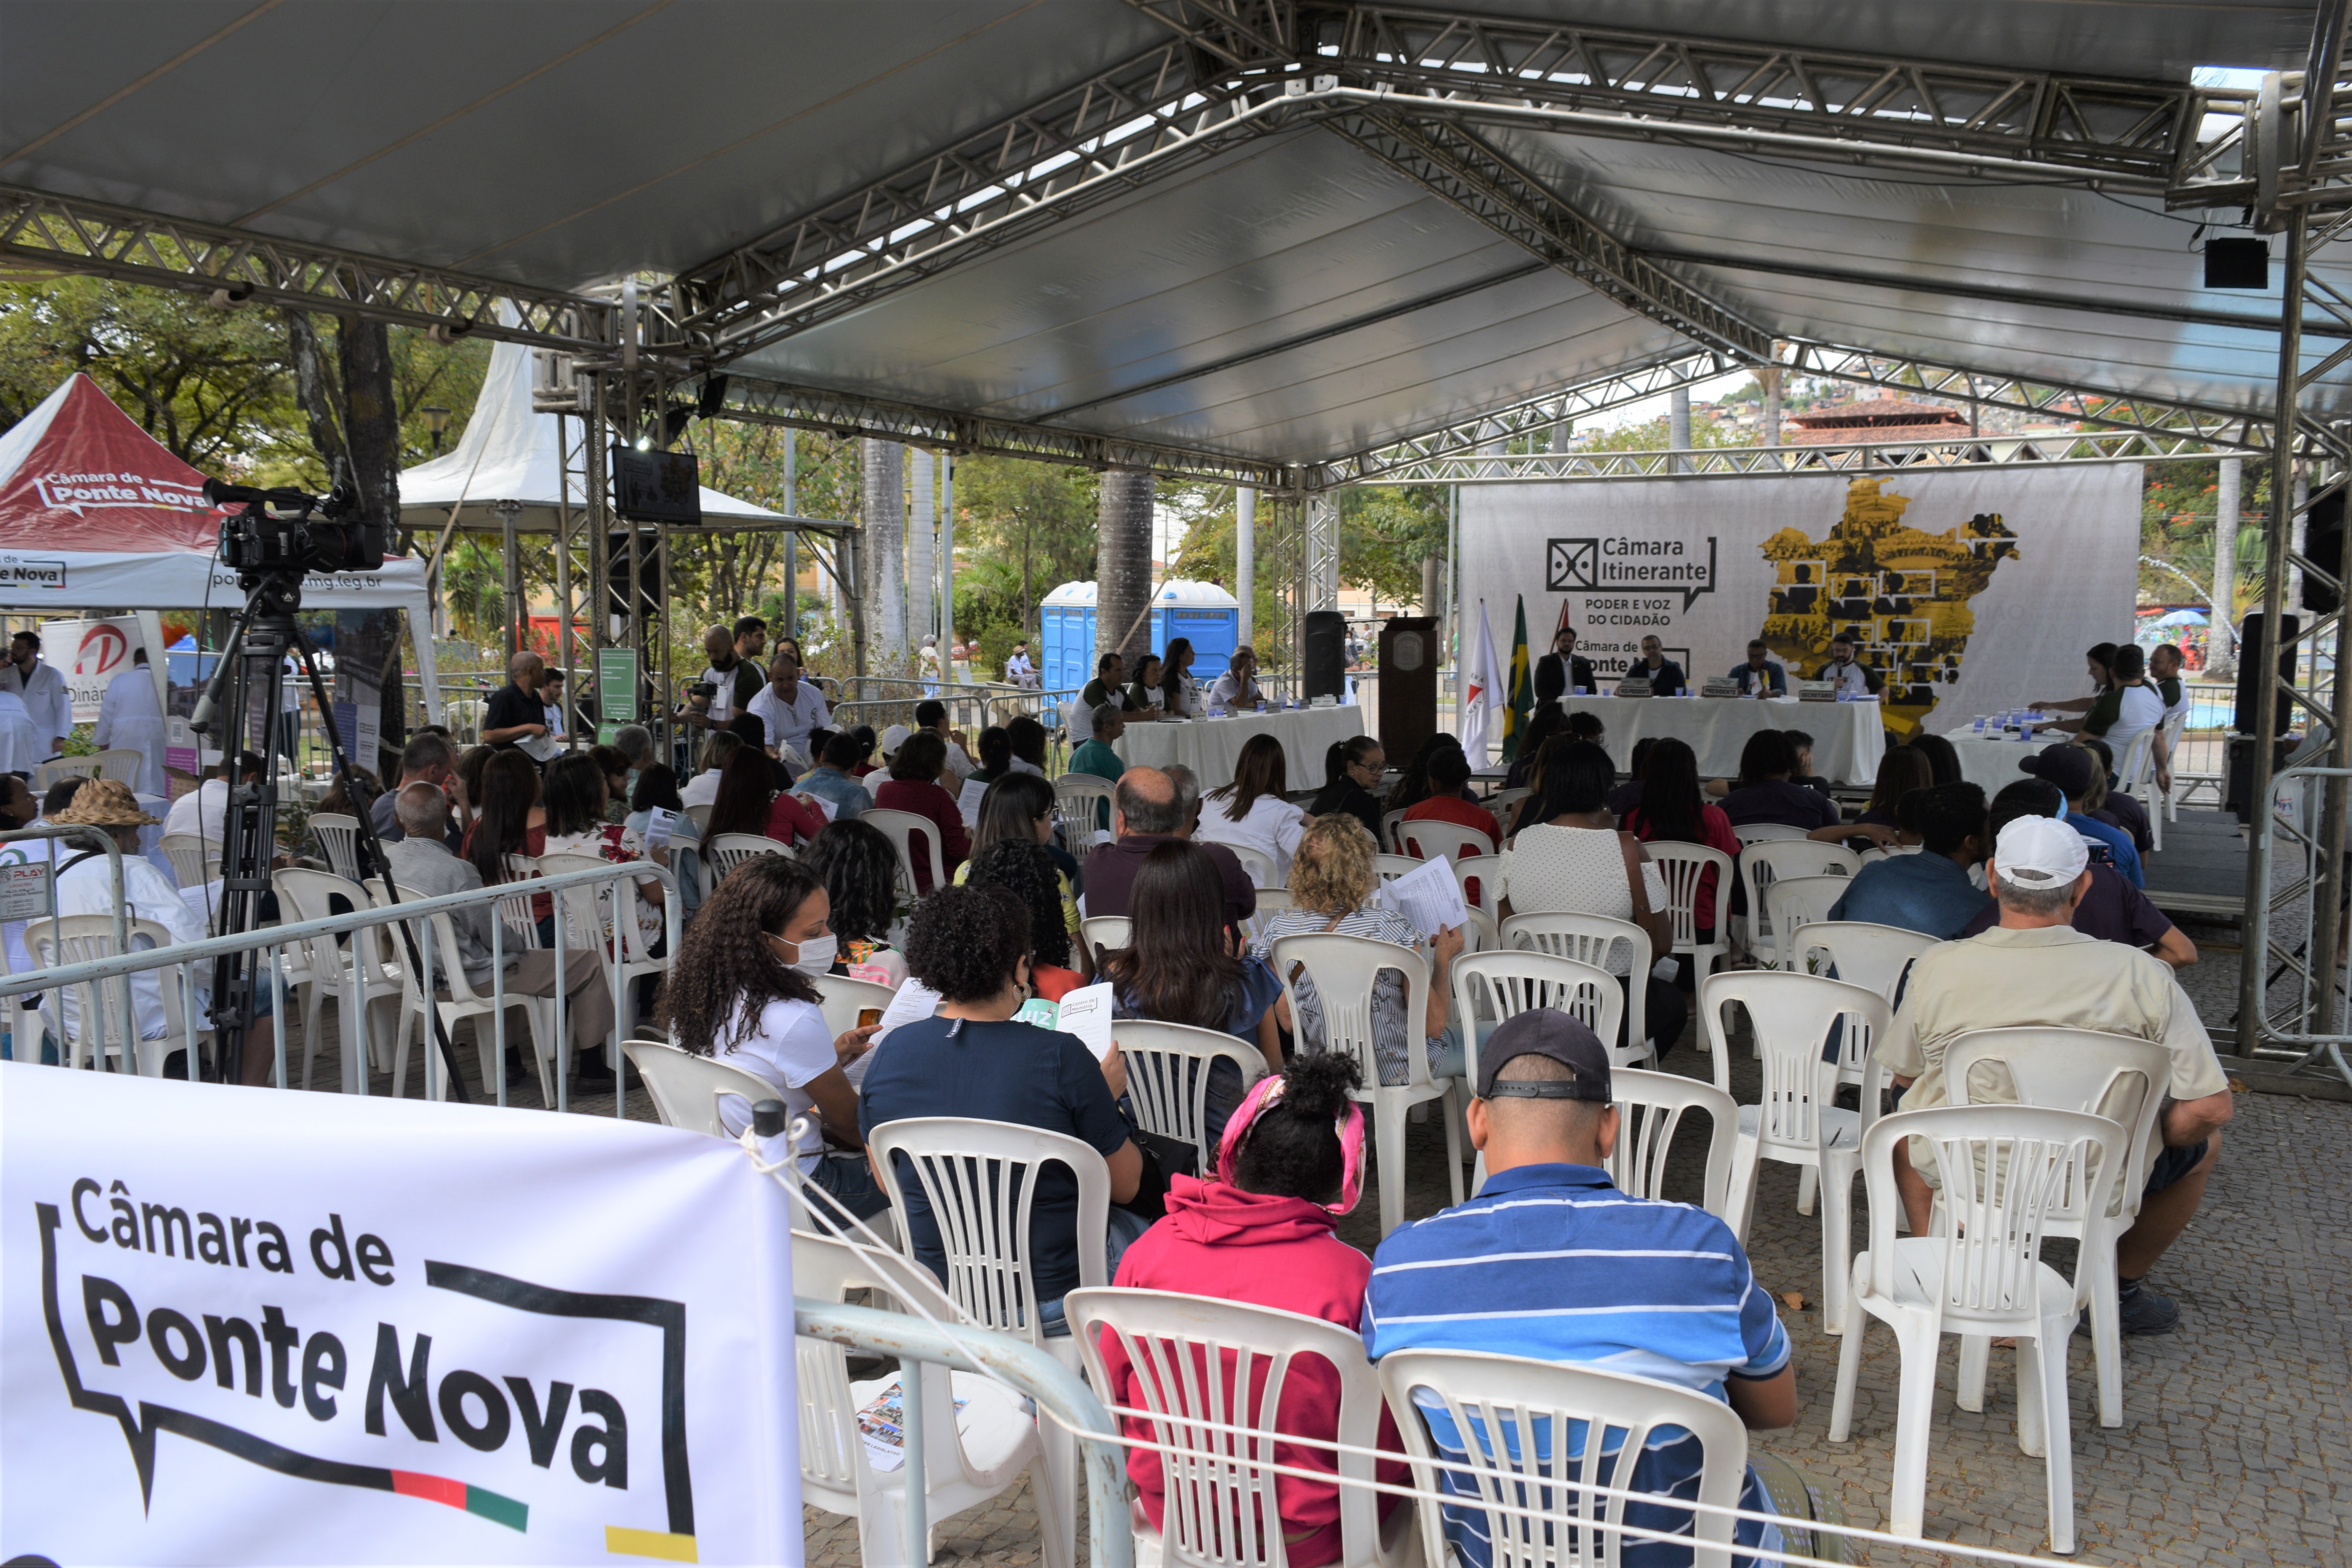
2236 1446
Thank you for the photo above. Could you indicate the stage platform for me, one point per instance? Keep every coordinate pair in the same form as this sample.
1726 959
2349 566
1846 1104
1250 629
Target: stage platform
2200 872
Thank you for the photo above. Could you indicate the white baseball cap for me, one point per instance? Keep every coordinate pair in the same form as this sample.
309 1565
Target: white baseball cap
892 738
2037 853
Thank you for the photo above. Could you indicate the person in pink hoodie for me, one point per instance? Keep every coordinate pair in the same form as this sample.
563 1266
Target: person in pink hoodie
1291 1161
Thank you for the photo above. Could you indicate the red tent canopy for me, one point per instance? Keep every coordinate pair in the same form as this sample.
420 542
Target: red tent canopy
78 474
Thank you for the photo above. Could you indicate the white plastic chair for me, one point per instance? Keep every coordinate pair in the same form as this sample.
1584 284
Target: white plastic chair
1257 864
1344 970
1765 833
123 764
1796 901
1168 1078
1480 878
1650 1111
1489 987
1796 1120
1388 821
2005 1170
339 836
1220 1504
306 895
729 850
1082 809
842 999
1505 803
93 1035
2113 1075
2135 776
1526 1411
700 816
978 1440
631 956
687 1088
902 828
978 1181
1425 839
1683 867
1593 939
1763 862
1391 866
193 861
1865 953
56 768
1102 933
456 999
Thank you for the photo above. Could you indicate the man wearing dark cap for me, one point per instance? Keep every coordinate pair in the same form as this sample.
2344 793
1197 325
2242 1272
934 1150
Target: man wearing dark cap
1552 1263
2075 773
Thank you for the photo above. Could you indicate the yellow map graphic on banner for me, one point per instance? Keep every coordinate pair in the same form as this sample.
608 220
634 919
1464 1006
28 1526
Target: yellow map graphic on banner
1902 593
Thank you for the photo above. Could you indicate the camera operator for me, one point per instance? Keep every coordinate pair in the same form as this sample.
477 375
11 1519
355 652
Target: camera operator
734 676
516 717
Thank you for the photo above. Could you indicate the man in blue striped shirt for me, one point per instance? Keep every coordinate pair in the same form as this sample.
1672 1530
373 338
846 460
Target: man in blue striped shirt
1551 1262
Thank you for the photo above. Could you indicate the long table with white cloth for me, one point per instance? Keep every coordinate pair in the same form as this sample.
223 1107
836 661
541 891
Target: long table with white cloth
1211 747
1992 763
1848 737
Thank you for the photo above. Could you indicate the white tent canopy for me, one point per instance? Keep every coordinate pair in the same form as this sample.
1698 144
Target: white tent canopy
512 453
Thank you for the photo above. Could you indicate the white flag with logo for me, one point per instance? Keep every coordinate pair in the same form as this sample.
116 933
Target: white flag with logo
1481 691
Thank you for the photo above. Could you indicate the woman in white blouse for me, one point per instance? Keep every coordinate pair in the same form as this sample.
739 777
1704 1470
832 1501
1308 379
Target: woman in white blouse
1182 692
1254 810
1574 860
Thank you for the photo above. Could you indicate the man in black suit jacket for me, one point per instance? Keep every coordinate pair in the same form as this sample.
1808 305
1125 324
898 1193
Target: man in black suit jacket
1559 671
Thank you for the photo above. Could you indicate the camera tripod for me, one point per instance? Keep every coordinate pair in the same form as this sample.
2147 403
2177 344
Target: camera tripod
265 635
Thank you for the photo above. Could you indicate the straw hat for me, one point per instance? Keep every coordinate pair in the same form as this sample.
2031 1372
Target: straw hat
104 802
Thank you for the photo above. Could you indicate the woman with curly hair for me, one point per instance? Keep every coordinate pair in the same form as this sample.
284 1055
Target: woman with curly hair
971 944
1019 808
1024 869
860 871
741 991
1331 882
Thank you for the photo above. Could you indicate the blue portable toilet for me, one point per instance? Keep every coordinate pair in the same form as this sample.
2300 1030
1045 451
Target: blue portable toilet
1203 611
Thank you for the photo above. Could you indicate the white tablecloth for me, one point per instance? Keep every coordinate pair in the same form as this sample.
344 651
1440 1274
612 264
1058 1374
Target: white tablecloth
1209 747
1848 737
1993 764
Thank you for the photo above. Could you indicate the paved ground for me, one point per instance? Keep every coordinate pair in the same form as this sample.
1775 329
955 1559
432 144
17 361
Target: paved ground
2236 1446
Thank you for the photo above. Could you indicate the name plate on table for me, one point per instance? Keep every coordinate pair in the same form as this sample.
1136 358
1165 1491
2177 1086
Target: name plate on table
1633 686
1718 686
1817 691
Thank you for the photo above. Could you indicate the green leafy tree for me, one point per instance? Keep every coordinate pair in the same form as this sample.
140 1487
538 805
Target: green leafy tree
1023 529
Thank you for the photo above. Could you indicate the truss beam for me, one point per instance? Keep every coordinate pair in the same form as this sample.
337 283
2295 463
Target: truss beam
235 266
1473 175
1143 120
847 413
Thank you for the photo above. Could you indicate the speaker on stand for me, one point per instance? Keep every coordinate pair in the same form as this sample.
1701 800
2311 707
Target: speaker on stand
1327 654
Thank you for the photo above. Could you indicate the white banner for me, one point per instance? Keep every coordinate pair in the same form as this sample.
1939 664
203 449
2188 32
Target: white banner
90 654
251 1326
1971 590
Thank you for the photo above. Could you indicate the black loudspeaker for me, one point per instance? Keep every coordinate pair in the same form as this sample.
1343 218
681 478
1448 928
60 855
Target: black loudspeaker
2323 545
2250 664
1327 654
1408 682
2237 264
2239 780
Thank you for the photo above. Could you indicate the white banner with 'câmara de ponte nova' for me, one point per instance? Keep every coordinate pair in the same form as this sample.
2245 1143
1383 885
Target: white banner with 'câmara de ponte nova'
1967 589
251 1326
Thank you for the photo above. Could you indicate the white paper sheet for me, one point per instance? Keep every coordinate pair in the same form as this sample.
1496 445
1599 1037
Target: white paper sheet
969 801
831 808
1429 897
915 1000
659 825
1086 1013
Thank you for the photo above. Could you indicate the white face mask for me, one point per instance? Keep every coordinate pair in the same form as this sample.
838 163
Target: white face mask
817 954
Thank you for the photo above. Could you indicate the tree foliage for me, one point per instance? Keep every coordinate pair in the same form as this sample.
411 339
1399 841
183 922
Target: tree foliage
1023 529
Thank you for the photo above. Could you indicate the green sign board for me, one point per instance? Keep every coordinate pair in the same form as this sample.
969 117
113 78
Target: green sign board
616 685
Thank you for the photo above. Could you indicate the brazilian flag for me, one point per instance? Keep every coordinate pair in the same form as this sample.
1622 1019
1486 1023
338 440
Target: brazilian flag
1521 700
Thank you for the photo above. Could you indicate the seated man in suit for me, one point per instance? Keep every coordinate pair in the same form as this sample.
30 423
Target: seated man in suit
1560 672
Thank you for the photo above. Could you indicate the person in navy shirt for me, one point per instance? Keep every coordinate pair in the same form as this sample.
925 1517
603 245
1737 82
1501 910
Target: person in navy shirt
1930 891
1665 676
1551 1263
1761 670
2074 771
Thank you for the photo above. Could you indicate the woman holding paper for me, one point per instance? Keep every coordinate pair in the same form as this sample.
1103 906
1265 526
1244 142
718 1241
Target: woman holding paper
1573 861
741 991
1332 882
657 816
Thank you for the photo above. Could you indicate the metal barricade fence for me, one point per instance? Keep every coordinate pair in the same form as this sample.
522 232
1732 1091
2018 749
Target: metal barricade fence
104 842
2295 794
352 972
918 1340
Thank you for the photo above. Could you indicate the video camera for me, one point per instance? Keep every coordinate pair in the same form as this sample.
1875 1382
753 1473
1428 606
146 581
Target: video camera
278 531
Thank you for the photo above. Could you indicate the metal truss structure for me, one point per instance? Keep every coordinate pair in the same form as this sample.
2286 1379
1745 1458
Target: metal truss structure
236 266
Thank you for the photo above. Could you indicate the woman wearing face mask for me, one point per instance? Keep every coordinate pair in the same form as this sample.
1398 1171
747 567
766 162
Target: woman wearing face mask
741 991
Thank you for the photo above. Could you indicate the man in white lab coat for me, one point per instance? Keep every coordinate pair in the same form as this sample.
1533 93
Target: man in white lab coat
44 691
130 716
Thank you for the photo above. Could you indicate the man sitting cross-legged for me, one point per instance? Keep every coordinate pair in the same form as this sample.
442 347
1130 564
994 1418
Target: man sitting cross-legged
2035 968
1552 1263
